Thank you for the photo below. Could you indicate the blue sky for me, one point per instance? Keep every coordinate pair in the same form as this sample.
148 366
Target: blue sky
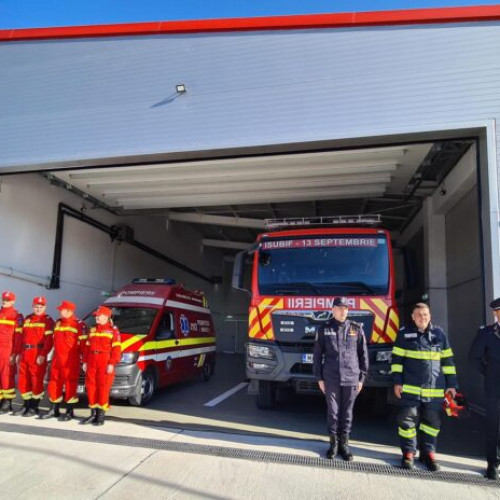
44 13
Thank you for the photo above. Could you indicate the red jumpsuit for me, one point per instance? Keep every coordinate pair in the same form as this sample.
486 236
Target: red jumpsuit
11 323
69 341
103 348
35 340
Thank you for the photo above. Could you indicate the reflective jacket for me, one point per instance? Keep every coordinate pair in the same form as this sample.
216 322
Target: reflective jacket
423 364
340 353
104 339
11 323
69 340
36 337
484 355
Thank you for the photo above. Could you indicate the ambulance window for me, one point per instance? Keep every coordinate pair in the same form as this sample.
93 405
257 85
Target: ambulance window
166 327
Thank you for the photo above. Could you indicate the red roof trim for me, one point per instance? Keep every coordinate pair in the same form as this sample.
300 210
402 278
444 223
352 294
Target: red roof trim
312 21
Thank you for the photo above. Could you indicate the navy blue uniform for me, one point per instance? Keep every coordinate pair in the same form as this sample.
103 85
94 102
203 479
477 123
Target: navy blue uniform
341 361
484 355
422 362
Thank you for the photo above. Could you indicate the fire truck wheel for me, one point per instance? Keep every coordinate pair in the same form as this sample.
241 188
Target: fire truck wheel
208 371
145 389
267 395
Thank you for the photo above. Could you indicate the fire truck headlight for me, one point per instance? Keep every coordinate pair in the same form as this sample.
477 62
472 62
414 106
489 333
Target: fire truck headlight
129 358
384 356
260 351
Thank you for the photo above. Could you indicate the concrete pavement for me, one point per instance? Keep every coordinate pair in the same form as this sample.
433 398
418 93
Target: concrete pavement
50 459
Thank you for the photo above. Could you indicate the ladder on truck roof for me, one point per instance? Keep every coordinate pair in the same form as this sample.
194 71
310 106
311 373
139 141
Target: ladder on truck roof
329 220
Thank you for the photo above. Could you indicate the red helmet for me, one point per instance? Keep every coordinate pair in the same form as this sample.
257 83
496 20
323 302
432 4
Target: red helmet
454 406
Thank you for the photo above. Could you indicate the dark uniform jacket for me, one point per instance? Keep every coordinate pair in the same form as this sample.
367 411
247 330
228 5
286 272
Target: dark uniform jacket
340 353
423 364
484 355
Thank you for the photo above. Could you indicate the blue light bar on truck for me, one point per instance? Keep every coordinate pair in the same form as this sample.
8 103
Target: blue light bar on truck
330 220
154 281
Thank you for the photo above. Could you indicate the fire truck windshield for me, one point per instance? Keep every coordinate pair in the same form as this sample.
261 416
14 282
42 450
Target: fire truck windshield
324 265
134 320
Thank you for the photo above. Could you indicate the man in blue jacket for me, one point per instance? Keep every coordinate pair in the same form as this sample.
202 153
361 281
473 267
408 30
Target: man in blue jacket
340 366
422 370
485 357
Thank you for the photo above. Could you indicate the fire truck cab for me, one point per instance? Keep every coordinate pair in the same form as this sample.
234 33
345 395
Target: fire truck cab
167 336
298 268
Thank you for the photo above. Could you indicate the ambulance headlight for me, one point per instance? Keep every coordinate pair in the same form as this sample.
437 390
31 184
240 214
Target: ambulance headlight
129 358
260 351
384 356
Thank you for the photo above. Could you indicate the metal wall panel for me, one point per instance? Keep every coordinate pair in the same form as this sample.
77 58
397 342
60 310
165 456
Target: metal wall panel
64 100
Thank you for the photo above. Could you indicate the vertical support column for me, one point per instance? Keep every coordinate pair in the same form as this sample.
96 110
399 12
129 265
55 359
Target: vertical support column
435 263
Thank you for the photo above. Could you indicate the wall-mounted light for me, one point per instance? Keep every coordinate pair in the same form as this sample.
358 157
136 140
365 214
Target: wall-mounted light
180 88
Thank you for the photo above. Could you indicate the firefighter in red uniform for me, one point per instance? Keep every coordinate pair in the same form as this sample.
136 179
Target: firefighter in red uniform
102 352
31 348
11 323
69 340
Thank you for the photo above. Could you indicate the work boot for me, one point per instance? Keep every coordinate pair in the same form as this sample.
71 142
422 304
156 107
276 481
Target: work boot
91 419
429 460
408 461
492 471
6 406
101 416
333 450
24 409
32 409
344 451
69 413
53 412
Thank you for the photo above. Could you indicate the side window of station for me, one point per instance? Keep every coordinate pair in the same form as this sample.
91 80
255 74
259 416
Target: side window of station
166 327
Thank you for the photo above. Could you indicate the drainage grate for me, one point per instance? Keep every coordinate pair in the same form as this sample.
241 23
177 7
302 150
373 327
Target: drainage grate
255 455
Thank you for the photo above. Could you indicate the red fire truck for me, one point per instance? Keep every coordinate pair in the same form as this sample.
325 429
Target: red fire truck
298 268
167 336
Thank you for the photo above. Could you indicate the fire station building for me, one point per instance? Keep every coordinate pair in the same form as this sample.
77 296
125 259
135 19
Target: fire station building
159 149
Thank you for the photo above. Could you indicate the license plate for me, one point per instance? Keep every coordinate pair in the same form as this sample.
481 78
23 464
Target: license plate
307 358
80 389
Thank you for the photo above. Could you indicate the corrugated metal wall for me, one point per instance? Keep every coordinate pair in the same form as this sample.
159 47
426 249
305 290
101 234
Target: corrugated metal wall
91 98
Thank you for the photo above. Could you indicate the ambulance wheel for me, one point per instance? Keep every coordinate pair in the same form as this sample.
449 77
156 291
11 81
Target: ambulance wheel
207 372
145 389
267 395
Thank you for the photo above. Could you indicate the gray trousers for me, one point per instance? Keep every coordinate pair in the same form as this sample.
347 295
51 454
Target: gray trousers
422 419
340 402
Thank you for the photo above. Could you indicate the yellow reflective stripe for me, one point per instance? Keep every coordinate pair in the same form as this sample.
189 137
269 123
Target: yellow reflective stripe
9 391
447 353
26 395
132 340
7 322
19 330
449 370
412 389
38 396
424 355
398 351
92 407
9 396
65 329
114 344
407 433
432 431
161 344
34 325
82 337
49 332
72 400
108 335
396 368
433 393
58 400
201 360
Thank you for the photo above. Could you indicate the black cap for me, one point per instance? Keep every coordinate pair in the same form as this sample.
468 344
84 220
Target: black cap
340 301
495 304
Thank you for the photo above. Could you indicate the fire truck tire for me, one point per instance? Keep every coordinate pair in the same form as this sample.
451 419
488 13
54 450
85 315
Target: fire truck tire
267 395
208 371
145 389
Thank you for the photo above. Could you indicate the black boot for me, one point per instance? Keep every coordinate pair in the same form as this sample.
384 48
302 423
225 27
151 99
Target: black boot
91 419
101 416
333 450
429 460
32 408
344 451
6 406
24 409
69 413
492 471
53 412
